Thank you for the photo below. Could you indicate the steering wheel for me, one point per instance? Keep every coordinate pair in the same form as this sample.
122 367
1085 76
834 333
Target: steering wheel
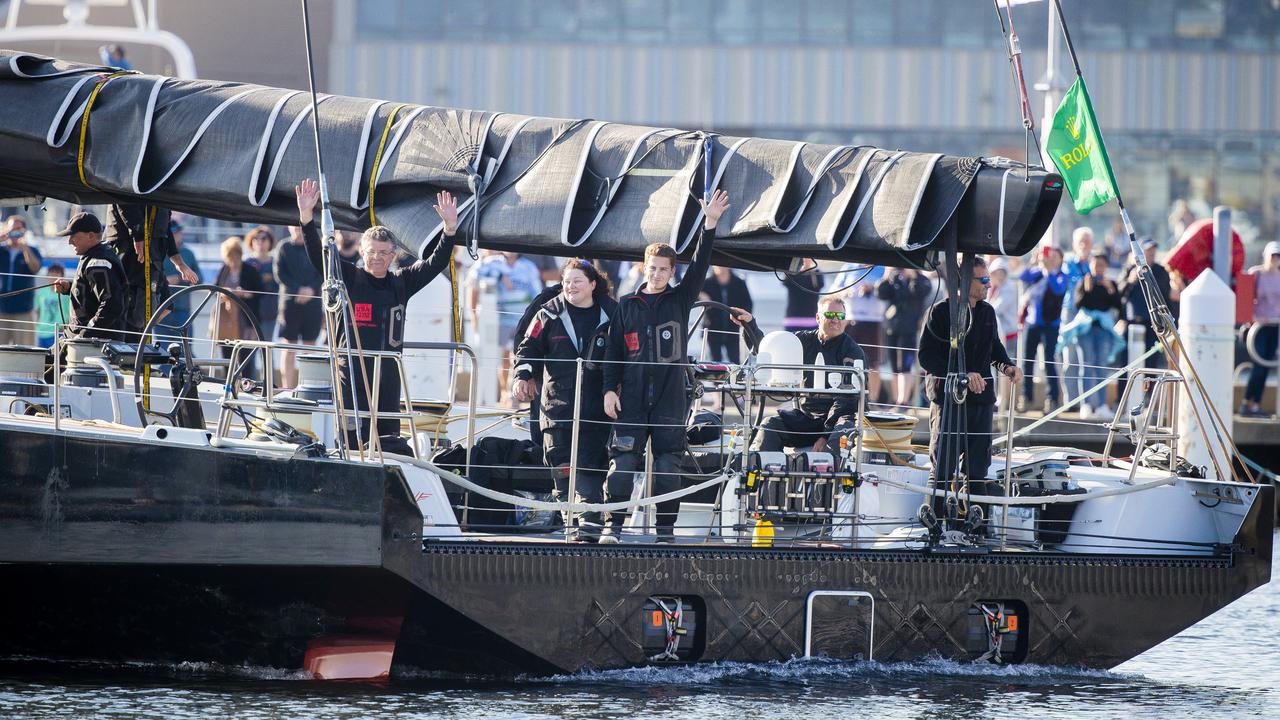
707 305
187 374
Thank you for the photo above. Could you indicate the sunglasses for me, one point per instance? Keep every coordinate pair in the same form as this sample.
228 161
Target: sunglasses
985 279
833 315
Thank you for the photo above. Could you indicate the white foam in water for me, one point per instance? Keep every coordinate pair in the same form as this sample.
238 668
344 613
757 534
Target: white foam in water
801 669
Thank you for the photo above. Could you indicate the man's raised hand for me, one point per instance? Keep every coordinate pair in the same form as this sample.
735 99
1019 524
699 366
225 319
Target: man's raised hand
308 194
714 209
447 208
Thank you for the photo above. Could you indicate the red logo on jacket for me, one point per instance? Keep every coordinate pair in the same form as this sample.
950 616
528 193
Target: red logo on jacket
364 313
633 341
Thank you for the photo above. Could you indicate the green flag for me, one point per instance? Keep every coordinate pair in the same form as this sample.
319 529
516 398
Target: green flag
1075 146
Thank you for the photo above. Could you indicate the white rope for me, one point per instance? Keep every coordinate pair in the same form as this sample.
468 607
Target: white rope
1042 500
521 501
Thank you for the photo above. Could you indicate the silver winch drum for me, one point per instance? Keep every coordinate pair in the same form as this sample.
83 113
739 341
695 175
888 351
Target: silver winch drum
22 361
315 381
79 350
22 371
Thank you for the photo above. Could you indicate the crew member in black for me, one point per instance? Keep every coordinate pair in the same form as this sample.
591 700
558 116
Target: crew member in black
983 351
379 296
126 234
644 376
818 421
572 325
97 292
522 328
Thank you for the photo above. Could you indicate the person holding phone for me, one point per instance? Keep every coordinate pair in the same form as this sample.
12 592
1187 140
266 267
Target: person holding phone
1046 291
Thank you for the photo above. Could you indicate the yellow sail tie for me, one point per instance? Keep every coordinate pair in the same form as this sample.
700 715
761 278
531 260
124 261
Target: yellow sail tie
84 122
377 159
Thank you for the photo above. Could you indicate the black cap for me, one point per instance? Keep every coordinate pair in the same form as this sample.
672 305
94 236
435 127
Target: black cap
81 222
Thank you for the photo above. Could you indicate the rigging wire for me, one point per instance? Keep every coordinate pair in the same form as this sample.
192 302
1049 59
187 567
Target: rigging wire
337 303
1013 48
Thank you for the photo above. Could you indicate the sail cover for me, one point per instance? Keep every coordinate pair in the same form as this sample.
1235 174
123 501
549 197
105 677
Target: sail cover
89 134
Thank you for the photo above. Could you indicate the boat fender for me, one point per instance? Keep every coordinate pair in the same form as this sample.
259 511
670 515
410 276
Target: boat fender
762 533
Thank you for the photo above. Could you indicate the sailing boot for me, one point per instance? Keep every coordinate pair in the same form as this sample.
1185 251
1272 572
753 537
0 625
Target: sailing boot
612 533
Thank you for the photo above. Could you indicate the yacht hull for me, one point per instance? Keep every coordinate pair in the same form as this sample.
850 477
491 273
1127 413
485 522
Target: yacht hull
121 550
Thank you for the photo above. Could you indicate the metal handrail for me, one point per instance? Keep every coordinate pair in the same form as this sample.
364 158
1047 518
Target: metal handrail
112 387
1251 341
269 390
1162 405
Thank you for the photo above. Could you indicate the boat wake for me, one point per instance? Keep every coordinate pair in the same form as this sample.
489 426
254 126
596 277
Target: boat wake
801 670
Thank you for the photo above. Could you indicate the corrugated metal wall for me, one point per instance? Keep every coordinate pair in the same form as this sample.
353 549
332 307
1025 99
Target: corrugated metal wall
811 88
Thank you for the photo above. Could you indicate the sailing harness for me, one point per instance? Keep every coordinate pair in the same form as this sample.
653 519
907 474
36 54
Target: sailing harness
954 424
997 624
672 619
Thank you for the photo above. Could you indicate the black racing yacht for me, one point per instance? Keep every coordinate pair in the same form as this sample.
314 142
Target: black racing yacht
150 511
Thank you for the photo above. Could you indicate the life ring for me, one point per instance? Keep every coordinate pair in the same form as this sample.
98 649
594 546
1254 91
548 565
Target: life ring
1194 252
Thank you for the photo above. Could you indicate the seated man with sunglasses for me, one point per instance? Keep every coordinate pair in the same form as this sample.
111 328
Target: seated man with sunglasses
818 421
983 351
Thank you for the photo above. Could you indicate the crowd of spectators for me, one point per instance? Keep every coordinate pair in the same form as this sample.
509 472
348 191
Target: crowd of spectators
1070 318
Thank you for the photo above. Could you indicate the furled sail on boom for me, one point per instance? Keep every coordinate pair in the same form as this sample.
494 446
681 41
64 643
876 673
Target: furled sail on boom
88 134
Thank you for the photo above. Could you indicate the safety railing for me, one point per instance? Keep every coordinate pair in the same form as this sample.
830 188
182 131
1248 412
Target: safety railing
743 381
233 401
1154 420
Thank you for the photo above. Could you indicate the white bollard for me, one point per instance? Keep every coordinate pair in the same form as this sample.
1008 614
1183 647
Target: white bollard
1207 330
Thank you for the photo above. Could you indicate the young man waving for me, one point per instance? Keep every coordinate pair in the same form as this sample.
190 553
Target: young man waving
644 376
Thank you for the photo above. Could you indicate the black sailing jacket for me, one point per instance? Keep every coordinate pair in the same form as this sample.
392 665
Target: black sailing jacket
379 303
648 345
551 343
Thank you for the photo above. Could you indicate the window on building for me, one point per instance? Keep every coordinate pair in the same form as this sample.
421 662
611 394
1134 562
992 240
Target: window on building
736 21
916 24
554 20
1150 26
780 23
598 22
644 21
689 21
377 16
1253 25
1098 24
963 26
826 22
1199 24
870 23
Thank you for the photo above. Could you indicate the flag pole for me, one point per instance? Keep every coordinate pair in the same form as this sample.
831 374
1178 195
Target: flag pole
1161 317
1052 87
1138 255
